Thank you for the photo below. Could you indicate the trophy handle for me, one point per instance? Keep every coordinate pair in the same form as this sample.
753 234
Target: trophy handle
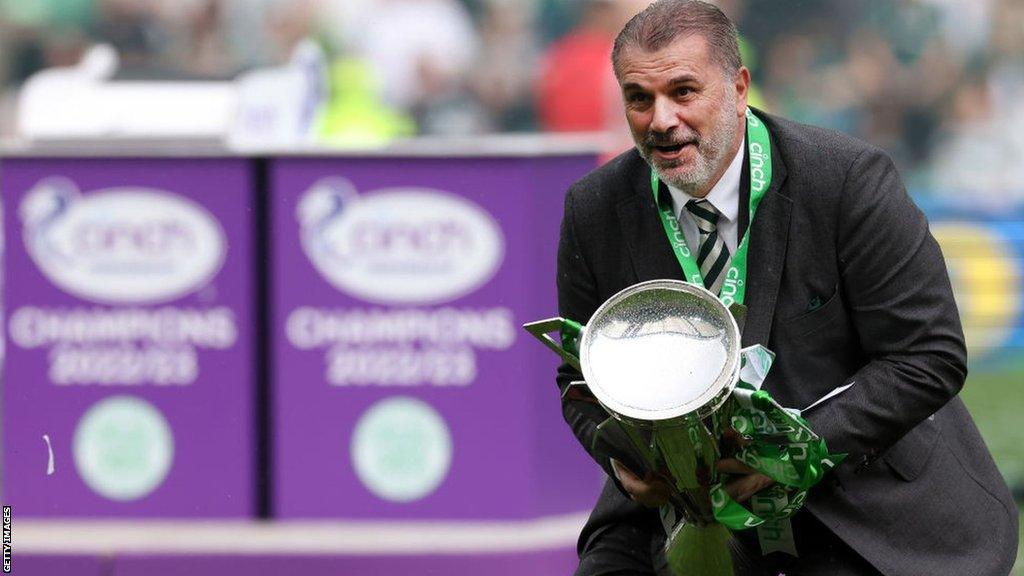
570 331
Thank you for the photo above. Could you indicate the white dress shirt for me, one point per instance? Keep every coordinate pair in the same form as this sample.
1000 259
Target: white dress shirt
725 197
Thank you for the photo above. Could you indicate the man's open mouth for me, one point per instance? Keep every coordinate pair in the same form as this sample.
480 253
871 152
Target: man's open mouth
671 149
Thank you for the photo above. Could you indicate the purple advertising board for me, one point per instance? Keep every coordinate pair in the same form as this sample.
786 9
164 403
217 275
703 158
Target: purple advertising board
128 378
403 383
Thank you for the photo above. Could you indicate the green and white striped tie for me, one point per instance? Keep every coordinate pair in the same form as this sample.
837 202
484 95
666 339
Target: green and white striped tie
712 254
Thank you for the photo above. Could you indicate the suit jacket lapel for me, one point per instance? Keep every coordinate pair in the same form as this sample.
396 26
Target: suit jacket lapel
769 237
649 249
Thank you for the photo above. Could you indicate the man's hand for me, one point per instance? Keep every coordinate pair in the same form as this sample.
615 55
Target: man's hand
750 481
650 491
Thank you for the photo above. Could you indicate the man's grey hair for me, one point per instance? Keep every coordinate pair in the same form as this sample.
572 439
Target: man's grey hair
664 21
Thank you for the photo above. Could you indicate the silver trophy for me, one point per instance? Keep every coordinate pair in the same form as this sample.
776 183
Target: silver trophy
663 360
661 357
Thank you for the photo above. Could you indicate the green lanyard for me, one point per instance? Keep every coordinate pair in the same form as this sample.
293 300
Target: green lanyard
734 287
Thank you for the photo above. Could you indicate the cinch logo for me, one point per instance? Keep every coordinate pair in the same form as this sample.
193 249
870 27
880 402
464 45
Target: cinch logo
678 239
730 286
757 159
398 245
120 245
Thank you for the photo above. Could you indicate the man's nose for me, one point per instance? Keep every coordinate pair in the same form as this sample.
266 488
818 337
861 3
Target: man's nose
666 115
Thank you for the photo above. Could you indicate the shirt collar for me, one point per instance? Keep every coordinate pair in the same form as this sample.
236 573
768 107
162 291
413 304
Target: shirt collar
725 195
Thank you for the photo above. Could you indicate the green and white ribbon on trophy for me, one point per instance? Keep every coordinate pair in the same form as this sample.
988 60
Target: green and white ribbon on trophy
783 448
663 358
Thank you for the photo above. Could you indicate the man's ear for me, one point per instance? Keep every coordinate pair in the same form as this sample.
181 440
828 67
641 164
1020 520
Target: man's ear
742 87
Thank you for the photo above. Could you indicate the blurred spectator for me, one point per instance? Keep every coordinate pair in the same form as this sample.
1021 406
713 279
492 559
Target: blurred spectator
504 69
202 46
577 90
41 33
420 52
982 145
354 114
132 28
965 25
1006 56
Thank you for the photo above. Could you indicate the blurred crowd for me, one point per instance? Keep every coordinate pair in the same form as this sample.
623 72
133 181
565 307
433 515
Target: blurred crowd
937 83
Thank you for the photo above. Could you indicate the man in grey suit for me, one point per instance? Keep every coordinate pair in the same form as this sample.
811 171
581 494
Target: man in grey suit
844 282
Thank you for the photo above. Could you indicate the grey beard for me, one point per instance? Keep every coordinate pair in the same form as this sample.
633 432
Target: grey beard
711 153
689 183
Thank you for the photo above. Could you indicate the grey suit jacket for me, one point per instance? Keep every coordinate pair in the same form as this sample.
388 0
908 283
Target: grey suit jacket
846 285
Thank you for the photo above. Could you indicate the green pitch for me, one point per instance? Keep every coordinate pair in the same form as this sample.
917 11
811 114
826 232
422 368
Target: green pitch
996 399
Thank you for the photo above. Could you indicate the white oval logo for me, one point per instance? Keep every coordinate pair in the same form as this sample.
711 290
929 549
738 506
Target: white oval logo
123 448
401 449
121 245
398 245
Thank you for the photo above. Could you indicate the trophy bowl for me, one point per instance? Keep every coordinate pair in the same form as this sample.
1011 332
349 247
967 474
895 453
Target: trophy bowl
659 351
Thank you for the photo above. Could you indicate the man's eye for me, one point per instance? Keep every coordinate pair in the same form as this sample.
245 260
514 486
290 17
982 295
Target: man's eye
636 98
684 92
